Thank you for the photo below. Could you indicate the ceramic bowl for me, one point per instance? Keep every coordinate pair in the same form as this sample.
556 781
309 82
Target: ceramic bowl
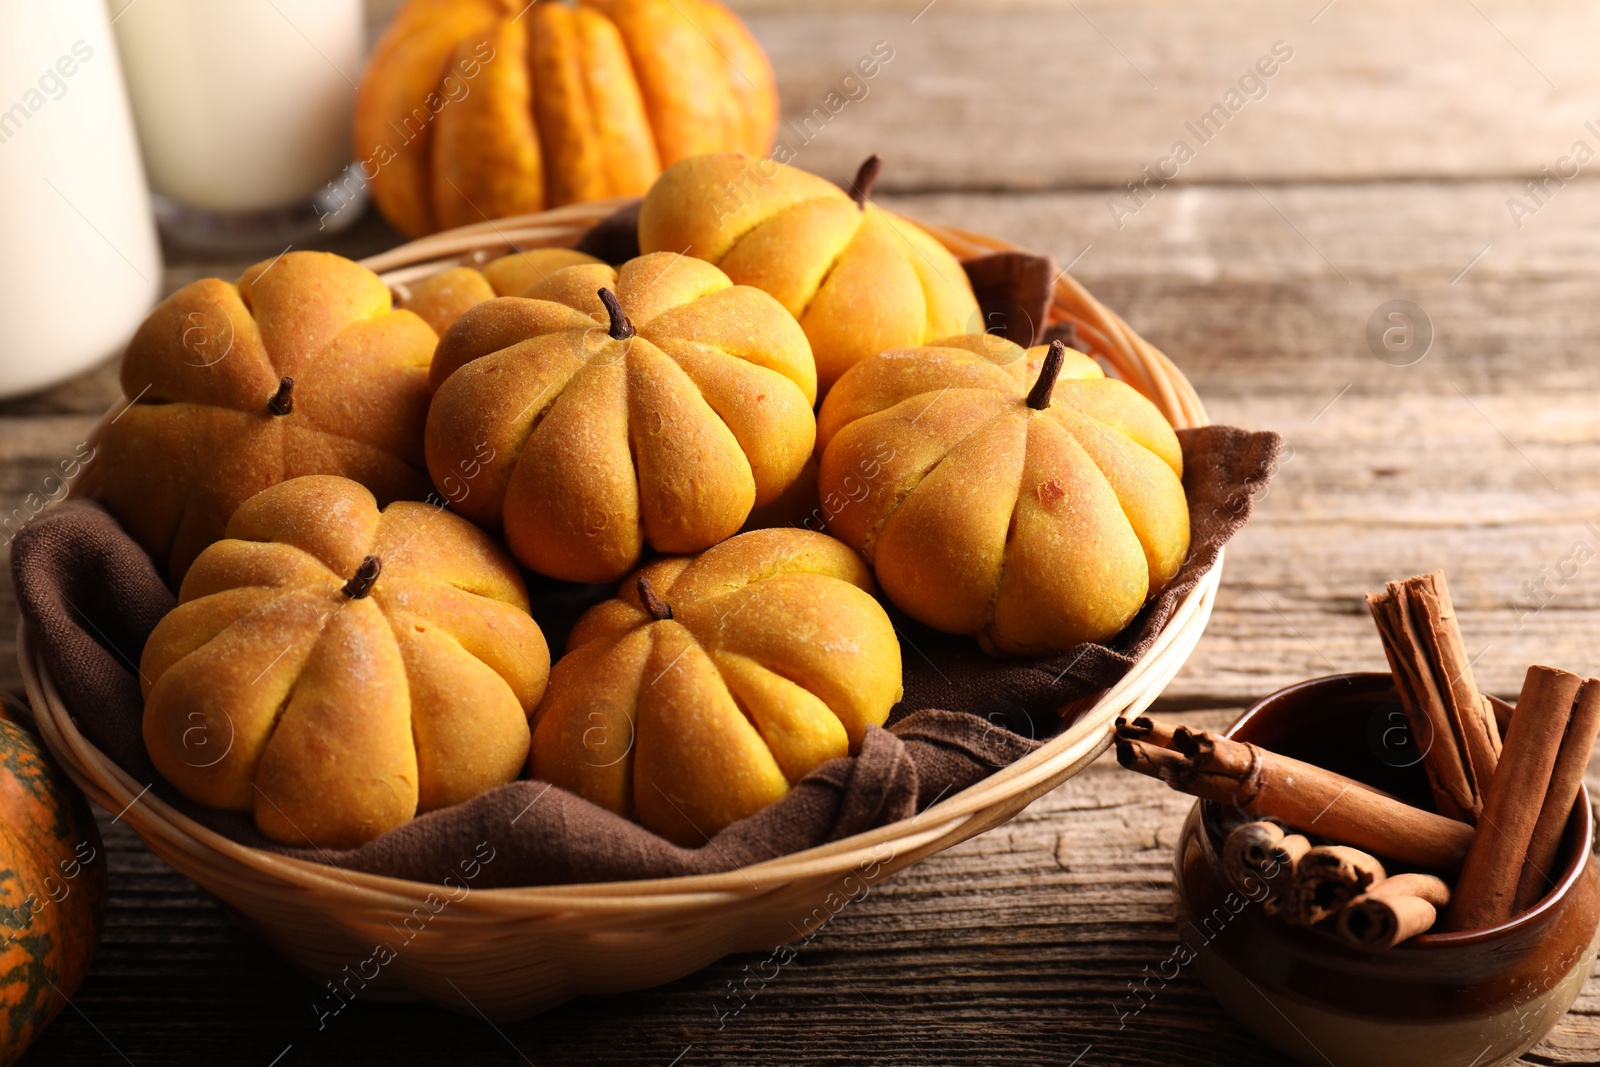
1481 998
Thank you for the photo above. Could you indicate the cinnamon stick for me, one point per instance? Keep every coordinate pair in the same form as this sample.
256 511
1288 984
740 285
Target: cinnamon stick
1469 709
1502 719
1487 889
1267 785
1144 728
1260 854
1326 879
1423 706
1394 910
1566 781
1451 722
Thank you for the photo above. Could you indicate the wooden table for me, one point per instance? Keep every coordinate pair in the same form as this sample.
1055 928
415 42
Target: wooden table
1378 165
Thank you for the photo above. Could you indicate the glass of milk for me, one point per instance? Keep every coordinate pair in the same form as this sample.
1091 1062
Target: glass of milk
79 260
244 109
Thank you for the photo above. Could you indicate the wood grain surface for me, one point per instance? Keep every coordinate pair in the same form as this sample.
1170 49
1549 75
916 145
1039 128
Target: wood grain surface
1378 167
1055 93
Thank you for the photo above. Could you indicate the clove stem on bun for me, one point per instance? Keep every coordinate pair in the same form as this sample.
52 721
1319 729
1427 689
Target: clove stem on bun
365 578
282 401
621 328
658 609
1044 385
861 188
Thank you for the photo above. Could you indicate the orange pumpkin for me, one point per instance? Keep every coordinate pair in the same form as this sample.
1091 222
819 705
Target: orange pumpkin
475 109
52 887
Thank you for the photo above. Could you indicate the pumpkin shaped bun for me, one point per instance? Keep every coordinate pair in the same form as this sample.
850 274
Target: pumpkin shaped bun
655 403
475 109
1022 497
302 367
858 278
441 298
713 684
337 670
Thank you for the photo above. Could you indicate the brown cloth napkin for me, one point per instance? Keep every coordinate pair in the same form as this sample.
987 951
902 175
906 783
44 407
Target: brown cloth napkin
92 597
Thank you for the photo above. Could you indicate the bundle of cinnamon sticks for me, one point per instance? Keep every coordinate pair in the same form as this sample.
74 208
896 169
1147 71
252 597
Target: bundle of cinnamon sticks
1503 792
1452 724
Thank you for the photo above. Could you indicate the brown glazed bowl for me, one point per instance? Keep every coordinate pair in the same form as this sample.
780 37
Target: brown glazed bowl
1481 998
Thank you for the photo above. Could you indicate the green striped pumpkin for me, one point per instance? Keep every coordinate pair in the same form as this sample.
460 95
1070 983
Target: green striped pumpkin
52 886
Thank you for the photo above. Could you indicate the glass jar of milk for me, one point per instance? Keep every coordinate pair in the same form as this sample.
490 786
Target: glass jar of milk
79 260
243 109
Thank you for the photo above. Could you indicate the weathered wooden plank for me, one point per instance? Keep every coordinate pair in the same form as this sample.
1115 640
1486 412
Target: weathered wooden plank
1010 949
1271 292
1380 489
1395 231
1061 93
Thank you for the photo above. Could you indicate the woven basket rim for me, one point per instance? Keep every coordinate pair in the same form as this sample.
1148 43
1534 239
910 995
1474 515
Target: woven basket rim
944 823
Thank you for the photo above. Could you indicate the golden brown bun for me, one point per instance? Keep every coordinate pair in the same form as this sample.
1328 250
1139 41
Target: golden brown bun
440 299
584 448
479 109
332 718
203 370
859 279
776 658
1035 530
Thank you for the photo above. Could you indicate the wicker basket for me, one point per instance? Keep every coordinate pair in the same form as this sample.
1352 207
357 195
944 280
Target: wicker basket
509 953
